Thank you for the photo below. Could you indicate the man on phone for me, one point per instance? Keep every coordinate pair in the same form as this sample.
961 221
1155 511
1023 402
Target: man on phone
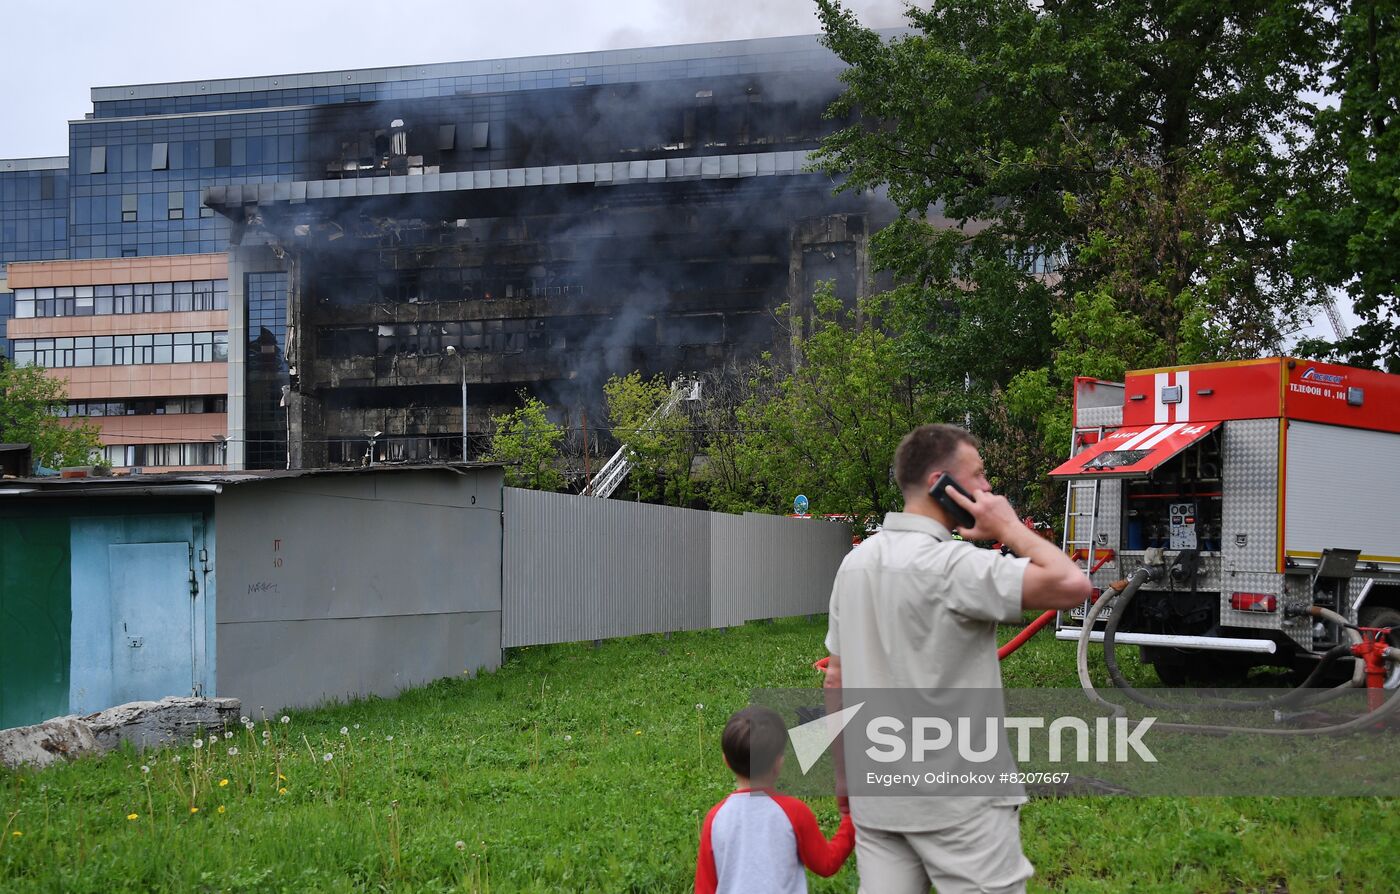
915 608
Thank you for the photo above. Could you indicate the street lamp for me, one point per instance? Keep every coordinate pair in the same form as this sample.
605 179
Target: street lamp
462 359
373 436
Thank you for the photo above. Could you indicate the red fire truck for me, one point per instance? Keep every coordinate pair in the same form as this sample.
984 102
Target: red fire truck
1261 487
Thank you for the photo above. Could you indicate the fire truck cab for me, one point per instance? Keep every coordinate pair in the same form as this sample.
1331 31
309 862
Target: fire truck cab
1262 487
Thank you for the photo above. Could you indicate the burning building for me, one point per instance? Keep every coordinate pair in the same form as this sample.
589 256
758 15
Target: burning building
572 219
551 220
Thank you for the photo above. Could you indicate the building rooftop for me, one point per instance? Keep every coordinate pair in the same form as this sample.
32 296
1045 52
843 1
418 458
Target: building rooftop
557 63
49 163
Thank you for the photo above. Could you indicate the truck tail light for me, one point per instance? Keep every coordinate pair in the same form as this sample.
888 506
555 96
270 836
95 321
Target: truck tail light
1254 602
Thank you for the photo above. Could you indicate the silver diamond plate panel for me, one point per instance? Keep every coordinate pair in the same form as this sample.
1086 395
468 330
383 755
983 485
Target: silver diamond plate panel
1249 508
1108 531
1092 417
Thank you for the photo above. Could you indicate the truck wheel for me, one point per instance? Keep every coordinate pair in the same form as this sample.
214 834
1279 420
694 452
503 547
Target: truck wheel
1382 616
1200 669
1171 673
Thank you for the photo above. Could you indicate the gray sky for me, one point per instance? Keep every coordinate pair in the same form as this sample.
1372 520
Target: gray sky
56 52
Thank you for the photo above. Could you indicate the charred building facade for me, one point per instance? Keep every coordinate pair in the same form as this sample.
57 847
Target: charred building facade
398 236
572 219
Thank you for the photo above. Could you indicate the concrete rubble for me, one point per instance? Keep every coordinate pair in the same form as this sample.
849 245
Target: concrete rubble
143 724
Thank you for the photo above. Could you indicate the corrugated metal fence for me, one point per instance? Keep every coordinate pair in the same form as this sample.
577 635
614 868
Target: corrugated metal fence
580 568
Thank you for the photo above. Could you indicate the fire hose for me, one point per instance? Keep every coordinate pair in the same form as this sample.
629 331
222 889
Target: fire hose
1144 574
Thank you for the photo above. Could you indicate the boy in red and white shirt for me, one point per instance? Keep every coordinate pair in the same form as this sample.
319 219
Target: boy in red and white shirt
757 840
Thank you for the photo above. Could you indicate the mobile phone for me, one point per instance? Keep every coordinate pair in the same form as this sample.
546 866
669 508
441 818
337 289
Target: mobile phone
960 517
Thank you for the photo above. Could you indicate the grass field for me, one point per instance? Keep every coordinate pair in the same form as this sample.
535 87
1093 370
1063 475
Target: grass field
581 769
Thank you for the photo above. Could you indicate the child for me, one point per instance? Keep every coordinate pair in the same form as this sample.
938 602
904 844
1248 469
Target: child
756 839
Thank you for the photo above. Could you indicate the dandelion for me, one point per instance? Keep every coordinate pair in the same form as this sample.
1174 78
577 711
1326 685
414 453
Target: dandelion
286 719
282 790
327 757
699 707
194 810
221 808
636 732
244 720
133 816
249 727
198 744
345 730
568 738
460 845
145 769
223 783
16 833
388 738
233 752
175 759
228 734
281 778
267 734
357 726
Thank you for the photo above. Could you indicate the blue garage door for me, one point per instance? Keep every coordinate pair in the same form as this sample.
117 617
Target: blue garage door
152 621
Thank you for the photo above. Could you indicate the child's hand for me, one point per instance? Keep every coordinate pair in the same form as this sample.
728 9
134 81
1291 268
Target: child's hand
843 804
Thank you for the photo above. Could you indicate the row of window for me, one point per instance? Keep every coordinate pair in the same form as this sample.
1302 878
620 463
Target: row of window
122 350
199 453
128 298
33 186
156 406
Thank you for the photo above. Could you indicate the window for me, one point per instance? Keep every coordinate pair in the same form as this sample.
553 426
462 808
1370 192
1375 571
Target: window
128 209
447 137
223 153
175 206
97 160
125 298
481 135
160 156
122 350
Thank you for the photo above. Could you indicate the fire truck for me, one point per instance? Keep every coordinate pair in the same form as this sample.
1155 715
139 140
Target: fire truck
1262 489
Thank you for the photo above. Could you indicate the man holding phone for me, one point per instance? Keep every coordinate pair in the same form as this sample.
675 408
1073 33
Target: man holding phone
912 607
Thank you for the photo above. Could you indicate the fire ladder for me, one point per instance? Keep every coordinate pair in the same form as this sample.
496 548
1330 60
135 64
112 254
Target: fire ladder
1082 516
615 470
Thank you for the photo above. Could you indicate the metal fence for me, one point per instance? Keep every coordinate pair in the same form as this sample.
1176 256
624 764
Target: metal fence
581 568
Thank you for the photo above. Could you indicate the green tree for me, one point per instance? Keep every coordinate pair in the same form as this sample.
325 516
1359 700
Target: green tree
658 436
1082 187
526 440
828 426
29 400
1349 234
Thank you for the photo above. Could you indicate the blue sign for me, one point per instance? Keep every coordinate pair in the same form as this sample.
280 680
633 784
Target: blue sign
799 505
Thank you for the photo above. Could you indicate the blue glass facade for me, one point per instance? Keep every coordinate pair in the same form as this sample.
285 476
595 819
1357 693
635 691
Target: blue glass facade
267 371
33 210
134 178
493 76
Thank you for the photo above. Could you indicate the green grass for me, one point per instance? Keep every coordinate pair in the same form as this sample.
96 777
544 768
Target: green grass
581 769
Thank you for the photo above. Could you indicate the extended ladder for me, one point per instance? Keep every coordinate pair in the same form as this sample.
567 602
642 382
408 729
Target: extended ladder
615 470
